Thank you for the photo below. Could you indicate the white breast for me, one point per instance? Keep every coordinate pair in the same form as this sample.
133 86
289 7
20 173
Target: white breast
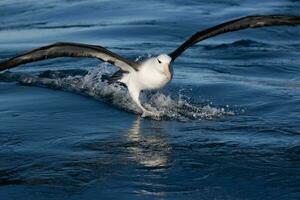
147 77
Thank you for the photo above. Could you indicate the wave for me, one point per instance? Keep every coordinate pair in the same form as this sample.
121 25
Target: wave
238 44
91 83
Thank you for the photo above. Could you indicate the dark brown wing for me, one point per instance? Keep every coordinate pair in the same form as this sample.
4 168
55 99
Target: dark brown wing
235 25
64 49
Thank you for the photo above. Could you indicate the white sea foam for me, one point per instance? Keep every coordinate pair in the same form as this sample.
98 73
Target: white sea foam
176 107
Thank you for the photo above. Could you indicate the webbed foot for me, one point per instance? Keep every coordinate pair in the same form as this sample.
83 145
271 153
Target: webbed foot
147 113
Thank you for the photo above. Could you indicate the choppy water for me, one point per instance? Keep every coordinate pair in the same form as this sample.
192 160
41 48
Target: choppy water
229 125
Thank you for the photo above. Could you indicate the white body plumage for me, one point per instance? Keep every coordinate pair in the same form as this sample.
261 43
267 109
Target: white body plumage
154 73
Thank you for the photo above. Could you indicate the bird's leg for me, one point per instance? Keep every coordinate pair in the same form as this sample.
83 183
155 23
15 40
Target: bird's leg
135 95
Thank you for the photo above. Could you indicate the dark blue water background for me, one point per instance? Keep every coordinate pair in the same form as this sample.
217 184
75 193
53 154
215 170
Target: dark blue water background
230 120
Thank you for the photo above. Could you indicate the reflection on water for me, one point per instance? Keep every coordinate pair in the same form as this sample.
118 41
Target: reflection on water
148 150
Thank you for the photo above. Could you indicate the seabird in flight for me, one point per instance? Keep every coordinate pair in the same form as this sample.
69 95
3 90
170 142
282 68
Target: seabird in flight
153 73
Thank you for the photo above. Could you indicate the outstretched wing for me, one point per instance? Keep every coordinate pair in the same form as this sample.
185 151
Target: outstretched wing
64 49
235 25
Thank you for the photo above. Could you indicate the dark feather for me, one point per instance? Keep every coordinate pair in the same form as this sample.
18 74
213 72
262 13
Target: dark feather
235 25
64 49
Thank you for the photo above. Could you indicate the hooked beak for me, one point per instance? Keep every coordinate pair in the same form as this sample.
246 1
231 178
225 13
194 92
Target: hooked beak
167 71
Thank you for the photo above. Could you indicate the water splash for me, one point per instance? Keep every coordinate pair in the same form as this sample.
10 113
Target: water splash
90 83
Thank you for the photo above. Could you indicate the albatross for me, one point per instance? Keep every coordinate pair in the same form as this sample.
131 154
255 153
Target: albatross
152 73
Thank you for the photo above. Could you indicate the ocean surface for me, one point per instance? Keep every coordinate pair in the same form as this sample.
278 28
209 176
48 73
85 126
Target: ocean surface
229 125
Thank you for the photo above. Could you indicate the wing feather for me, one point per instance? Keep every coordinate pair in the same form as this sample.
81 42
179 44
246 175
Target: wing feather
65 49
235 25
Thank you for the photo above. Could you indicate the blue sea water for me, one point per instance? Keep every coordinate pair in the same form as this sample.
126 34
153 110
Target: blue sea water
230 119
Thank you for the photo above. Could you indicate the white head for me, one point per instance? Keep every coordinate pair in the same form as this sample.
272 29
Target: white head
163 63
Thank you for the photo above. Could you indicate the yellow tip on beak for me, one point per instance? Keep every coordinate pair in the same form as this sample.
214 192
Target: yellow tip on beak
167 71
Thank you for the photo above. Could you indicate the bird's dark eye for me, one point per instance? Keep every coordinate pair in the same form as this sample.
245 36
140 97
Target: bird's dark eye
159 61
